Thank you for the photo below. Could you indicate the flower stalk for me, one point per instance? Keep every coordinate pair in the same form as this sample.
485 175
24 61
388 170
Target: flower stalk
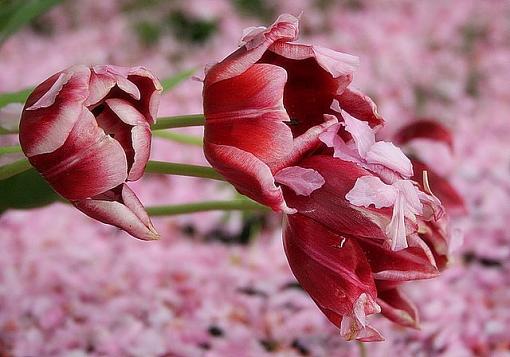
232 205
170 168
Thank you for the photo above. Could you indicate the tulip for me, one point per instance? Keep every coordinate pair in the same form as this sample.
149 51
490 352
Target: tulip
266 104
361 229
87 131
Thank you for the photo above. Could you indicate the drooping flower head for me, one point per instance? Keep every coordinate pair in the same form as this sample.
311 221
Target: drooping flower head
87 131
283 125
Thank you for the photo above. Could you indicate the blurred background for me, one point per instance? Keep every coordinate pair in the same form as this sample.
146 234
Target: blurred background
218 284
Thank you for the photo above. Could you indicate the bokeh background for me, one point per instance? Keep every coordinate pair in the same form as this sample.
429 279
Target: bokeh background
217 284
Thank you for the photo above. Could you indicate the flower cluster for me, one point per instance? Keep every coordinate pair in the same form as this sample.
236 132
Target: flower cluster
286 129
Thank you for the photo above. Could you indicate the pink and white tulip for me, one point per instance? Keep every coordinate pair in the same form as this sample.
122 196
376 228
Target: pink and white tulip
87 131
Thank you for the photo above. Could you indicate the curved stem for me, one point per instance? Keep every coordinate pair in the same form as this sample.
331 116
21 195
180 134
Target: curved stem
179 138
233 205
14 168
170 168
179 121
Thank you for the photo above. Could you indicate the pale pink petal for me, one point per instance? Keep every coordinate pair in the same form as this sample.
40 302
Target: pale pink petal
99 87
371 190
253 37
49 97
302 181
337 63
129 87
341 149
362 134
412 196
141 140
396 229
392 157
126 111
353 325
121 208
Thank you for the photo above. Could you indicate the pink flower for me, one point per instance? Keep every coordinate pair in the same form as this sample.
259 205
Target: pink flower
267 103
87 131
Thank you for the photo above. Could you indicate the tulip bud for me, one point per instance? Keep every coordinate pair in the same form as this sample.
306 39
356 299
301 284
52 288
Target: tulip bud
87 131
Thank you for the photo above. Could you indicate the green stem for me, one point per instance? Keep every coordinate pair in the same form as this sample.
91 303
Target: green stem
170 168
14 168
233 205
180 121
179 138
10 149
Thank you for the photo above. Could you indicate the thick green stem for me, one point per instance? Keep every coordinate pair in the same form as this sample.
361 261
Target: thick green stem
170 168
10 149
233 205
180 121
14 168
179 138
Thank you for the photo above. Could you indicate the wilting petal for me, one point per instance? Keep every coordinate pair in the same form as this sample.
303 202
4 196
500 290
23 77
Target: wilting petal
302 181
121 208
354 325
360 106
99 87
87 164
412 197
397 307
396 229
248 174
371 190
331 268
45 129
362 134
387 154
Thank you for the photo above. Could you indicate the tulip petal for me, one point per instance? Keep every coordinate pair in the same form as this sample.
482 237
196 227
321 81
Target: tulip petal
302 181
332 269
121 208
362 134
88 163
398 308
246 112
354 325
249 175
371 190
425 129
45 129
360 106
284 29
141 140
49 97
387 154
99 87
411 263
328 205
